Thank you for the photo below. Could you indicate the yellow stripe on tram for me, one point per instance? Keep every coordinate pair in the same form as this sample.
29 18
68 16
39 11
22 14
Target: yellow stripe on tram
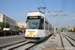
31 33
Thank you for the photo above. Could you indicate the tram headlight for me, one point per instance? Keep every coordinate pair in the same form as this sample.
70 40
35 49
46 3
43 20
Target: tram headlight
34 35
27 35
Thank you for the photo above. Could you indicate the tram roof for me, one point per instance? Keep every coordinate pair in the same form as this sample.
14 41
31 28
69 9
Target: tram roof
36 13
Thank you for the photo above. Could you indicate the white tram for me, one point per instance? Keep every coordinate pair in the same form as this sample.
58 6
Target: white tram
38 27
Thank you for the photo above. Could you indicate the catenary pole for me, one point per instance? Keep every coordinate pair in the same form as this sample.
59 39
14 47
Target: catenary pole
54 19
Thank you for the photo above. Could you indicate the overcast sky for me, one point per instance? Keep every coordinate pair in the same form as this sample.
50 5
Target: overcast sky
18 9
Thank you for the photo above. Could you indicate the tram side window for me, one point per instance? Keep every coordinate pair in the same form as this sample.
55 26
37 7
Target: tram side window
50 28
46 25
42 23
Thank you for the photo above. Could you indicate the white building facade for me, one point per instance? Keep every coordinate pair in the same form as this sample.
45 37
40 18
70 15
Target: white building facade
21 24
13 24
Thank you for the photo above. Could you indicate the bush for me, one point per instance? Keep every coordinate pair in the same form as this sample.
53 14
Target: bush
18 30
8 32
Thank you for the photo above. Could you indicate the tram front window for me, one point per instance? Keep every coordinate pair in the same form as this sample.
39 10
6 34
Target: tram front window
33 23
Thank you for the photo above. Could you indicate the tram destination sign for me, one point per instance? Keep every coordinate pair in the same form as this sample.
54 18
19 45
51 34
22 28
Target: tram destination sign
34 17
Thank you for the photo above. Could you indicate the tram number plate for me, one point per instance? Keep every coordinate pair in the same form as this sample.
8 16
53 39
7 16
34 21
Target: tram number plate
31 33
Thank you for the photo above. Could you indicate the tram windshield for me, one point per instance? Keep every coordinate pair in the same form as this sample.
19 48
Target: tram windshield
33 23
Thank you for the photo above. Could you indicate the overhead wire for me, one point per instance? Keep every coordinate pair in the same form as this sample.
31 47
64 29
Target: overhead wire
64 5
47 8
38 3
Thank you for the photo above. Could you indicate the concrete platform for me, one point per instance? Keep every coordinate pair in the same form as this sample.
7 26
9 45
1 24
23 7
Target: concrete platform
53 43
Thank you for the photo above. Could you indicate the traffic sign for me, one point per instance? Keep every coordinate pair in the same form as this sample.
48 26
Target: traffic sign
22 26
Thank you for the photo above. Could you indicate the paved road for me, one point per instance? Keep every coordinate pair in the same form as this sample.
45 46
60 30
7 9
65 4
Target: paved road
70 34
11 39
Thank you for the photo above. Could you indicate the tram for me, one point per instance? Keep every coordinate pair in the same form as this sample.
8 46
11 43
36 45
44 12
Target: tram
38 27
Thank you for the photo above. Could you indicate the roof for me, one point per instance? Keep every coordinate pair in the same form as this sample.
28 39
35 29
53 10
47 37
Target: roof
36 11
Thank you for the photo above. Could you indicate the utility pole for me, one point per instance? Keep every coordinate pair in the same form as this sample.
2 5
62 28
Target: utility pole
54 21
54 18
70 24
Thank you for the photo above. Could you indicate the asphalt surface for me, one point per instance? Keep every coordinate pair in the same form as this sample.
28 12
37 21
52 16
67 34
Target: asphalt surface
11 39
70 34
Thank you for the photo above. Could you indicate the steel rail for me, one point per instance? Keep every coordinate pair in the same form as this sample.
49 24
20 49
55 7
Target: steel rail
69 41
13 47
31 46
71 38
37 43
11 44
19 46
61 41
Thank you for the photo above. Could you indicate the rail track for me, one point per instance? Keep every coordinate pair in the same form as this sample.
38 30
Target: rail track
11 47
21 46
25 45
65 42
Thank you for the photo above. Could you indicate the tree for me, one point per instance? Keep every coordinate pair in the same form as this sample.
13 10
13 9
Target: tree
2 25
7 25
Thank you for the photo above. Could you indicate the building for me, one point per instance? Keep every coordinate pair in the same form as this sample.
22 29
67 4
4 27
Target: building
13 24
21 25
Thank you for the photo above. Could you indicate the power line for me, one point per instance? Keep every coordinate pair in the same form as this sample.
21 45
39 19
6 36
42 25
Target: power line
53 14
45 5
64 5
38 3
47 8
